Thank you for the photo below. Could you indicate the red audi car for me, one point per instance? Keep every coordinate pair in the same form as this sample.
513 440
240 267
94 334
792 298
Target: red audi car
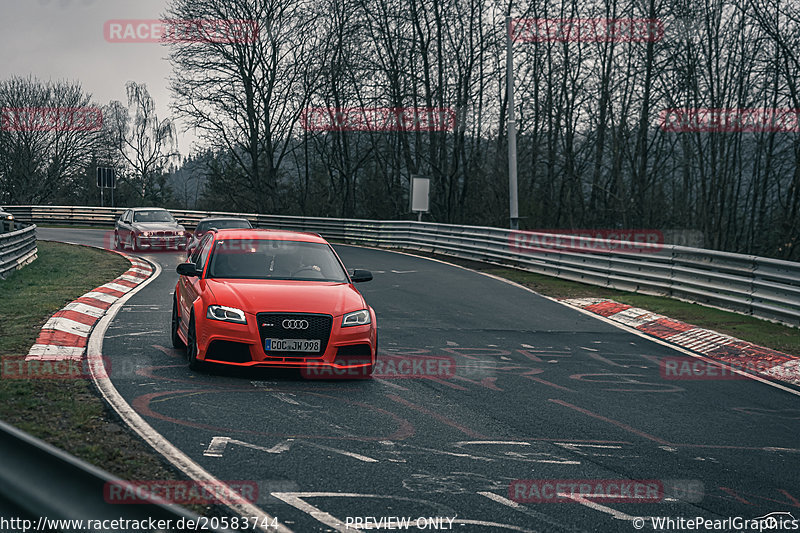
267 298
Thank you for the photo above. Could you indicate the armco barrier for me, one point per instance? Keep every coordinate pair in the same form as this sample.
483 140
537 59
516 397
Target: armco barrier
38 480
758 286
17 249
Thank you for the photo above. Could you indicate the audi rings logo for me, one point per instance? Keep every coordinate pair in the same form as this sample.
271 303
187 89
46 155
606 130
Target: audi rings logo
295 324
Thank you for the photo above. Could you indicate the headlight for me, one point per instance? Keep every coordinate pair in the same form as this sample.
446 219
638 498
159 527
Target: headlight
358 318
145 234
226 314
10 217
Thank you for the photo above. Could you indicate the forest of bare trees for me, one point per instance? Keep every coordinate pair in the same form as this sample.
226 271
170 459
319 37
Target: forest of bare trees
592 152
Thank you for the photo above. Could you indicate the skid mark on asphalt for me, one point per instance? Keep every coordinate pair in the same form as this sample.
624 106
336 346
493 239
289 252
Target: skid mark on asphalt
610 421
441 418
142 405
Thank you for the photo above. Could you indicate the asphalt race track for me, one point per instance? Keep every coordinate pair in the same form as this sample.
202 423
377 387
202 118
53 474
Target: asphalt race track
541 392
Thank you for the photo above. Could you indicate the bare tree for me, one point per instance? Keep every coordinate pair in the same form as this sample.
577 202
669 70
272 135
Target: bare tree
44 147
245 95
143 144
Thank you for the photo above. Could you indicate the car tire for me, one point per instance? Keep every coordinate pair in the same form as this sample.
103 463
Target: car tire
117 243
191 345
177 342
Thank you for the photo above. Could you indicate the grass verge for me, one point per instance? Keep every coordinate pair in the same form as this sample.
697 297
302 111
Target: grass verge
68 414
748 328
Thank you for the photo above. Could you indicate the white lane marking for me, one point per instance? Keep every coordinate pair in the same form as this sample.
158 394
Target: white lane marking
175 456
573 445
281 446
517 443
134 334
525 457
282 396
295 500
85 309
525 510
619 515
219 444
362 458
51 352
66 325
217 447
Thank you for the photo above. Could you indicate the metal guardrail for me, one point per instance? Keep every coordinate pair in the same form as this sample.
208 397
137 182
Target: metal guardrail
17 248
758 286
41 481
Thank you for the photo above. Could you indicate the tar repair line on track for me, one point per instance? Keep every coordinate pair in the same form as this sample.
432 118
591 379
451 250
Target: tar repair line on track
175 456
617 325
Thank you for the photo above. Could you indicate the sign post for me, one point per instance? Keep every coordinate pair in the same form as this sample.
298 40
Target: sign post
106 180
420 195
513 208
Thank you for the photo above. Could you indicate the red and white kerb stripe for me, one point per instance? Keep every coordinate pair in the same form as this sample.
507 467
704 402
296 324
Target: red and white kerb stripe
66 333
776 365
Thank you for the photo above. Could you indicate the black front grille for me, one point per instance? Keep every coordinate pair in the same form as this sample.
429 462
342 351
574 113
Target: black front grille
270 326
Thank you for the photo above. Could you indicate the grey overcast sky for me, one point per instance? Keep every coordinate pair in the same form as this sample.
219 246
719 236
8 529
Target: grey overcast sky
63 39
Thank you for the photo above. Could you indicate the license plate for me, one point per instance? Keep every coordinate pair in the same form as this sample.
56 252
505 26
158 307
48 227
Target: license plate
291 345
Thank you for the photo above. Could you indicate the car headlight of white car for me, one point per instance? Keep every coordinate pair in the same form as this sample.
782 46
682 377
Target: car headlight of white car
226 314
356 318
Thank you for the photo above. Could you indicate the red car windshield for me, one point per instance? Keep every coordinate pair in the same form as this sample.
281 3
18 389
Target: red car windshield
274 260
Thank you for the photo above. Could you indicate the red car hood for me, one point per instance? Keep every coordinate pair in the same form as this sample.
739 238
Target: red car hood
256 296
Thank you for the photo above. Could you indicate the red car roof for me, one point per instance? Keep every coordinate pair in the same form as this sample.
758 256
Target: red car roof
269 234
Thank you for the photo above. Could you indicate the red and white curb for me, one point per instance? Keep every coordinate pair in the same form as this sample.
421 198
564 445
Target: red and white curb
771 363
65 334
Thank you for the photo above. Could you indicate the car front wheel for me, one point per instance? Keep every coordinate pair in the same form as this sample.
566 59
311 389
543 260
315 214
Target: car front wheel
176 339
191 345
